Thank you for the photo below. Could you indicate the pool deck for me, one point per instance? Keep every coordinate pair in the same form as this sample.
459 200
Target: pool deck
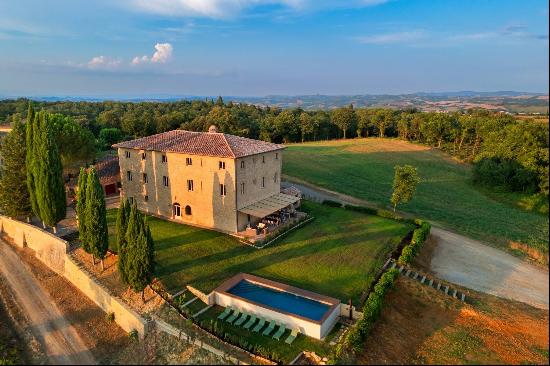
230 283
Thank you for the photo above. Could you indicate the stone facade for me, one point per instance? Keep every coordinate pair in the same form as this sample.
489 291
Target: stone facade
194 183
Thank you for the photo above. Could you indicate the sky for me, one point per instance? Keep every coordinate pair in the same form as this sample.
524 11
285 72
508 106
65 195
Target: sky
271 47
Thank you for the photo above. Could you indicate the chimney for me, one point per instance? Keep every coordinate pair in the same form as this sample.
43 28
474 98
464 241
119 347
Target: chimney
212 129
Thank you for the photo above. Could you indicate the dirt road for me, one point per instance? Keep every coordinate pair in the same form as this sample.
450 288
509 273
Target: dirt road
469 263
62 343
464 261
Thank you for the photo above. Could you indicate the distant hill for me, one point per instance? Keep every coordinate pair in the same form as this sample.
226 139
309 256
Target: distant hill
506 101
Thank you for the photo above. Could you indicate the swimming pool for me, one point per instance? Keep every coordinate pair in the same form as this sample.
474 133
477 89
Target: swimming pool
280 300
311 313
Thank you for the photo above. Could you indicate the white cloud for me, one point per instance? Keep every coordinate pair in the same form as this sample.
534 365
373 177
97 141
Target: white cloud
391 37
162 54
231 8
103 62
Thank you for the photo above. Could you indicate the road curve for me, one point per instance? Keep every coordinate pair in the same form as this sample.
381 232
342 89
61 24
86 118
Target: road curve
62 343
465 261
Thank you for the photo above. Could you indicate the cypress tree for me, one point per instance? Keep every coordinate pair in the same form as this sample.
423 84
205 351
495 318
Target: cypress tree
30 124
139 254
50 192
121 227
14 193
81 208
96 218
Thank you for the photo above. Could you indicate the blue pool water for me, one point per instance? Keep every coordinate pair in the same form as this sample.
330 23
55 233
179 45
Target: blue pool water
280 300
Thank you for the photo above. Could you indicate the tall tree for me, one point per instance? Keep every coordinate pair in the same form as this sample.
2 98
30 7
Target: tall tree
308 125
404 184
344 118
50 192
96 217
81 208
14 193
139 255
122 227
30 126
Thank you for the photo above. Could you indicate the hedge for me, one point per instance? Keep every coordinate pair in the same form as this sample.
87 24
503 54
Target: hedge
357 335
332 203
420 235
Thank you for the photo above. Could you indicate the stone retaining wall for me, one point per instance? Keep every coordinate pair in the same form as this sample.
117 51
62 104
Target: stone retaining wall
52 251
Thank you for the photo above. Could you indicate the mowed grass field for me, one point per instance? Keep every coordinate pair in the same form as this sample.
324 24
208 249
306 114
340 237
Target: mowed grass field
337 254
364 168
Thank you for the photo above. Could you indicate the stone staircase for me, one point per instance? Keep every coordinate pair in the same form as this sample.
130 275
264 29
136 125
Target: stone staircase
425 279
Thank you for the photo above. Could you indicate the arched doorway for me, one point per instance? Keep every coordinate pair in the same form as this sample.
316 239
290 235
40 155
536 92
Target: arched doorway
176 210
188 210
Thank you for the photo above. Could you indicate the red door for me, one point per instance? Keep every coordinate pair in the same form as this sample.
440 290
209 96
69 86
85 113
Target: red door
110 189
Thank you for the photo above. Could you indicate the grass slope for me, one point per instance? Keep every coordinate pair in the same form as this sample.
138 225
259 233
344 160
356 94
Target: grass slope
336 255
364 169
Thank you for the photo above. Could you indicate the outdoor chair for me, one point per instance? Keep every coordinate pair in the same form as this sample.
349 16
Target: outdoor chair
292 336
225 313
241 320
269 328
250 322
280 332
232 318
259 326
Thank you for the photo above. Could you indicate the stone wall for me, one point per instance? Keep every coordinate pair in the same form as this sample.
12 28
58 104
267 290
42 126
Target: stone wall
207 299
52 251
125 317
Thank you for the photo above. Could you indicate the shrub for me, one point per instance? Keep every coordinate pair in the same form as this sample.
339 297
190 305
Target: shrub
133 335
374 211
110 317
420 235
332 203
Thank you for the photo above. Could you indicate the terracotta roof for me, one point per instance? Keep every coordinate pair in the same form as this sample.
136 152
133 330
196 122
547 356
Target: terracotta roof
108 170
201 143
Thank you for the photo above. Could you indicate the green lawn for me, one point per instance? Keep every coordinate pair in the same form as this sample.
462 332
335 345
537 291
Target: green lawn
364 168
336 255
277 349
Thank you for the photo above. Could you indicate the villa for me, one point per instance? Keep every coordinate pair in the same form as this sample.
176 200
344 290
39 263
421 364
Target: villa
208 179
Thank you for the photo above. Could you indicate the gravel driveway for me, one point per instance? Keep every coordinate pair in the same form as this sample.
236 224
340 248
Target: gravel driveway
62 343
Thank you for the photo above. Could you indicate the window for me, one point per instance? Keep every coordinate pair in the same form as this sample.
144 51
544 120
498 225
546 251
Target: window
146 198
276 156
177 210
263 159
165 181
189 185
188 161
129 175
131 200
263 182
188 210
242 164
275 177
222 190
242 188
164 159
127 154
221 164
145 180
143 155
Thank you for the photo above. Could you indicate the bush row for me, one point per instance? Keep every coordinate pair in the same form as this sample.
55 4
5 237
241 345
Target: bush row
420 235
367 210
357 335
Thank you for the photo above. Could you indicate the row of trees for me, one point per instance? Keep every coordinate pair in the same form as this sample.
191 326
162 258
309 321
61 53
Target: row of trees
135 246
32 178
471 136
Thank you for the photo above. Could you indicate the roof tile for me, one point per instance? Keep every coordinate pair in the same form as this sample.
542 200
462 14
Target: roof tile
201 143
